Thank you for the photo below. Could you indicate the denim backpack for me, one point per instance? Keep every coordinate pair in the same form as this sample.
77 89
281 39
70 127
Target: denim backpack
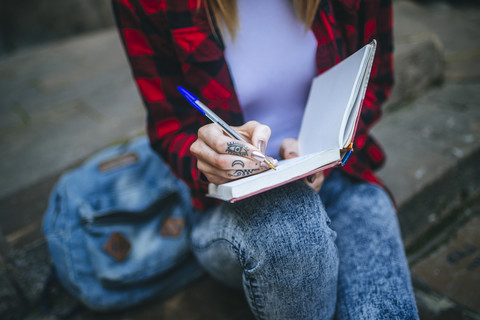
117 229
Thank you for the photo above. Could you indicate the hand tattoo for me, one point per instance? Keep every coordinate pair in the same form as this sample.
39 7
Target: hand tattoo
237 149
239 163
242 173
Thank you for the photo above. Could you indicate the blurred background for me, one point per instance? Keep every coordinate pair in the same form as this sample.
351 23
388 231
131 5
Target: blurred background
66 93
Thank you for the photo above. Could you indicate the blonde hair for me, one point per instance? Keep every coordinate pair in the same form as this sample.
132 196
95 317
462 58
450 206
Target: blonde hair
226 11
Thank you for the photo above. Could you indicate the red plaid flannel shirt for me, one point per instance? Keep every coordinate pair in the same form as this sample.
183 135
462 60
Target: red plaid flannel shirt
171 43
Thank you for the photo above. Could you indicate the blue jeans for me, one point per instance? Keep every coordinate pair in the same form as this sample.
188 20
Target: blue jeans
302 255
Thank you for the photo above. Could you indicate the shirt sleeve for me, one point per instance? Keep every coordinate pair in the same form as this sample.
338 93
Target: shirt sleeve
157 72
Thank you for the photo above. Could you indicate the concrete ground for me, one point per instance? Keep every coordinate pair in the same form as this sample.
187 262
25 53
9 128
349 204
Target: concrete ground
63 101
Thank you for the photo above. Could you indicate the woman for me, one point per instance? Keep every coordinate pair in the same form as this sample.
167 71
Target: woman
313 249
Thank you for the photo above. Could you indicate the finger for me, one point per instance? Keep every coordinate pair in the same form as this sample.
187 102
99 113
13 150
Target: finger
221 161
213 136
315 181
218 176
240 173
257 133
289 148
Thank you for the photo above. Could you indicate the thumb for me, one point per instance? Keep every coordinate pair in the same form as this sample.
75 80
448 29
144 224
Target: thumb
258 134
289 148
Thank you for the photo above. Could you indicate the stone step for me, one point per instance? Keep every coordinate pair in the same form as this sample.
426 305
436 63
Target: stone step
62 102
418 55
446 272
432 146
34 22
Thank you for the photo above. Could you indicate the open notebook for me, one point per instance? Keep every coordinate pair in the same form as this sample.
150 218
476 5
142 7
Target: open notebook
327 131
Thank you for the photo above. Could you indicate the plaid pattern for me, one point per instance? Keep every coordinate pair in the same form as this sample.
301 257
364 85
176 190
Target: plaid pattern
171 43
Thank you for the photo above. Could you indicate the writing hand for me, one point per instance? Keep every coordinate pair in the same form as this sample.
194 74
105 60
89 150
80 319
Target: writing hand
221 158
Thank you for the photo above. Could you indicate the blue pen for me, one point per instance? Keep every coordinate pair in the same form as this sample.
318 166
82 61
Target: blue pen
216 119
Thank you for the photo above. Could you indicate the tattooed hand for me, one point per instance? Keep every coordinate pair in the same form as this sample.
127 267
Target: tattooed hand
221 158
242 173
237 148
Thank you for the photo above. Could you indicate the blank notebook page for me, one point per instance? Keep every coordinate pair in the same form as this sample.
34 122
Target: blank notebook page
331 92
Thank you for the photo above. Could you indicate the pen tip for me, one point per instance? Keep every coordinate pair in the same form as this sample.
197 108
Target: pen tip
270 164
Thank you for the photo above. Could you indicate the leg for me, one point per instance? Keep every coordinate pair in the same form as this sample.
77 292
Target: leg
374 279
278 246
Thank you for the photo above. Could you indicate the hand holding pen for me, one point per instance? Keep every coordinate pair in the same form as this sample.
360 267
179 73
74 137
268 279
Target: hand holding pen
222 159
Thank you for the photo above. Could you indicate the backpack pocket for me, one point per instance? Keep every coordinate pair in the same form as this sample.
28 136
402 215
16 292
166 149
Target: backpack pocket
136 236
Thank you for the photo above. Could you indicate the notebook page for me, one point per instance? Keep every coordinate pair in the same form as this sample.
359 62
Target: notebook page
330 95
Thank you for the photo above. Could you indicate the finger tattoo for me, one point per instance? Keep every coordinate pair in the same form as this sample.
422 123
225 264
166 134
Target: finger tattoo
242 173
238 163
237 149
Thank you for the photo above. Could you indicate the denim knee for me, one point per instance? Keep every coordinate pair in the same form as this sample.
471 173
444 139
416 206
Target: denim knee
279 246
279 226
289 252
292 248
285 224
